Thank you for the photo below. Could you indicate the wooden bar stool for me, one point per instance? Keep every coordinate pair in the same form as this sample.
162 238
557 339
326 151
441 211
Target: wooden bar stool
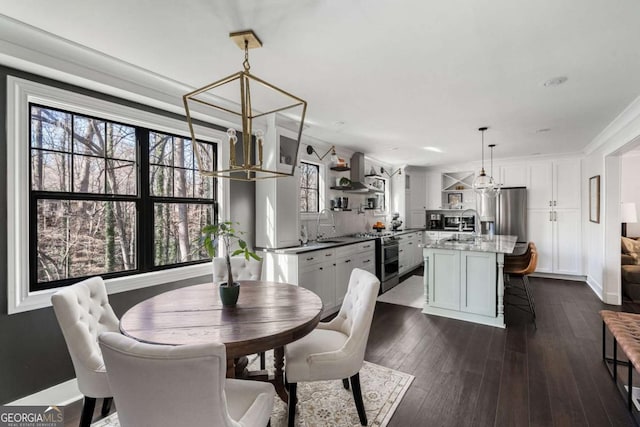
522 266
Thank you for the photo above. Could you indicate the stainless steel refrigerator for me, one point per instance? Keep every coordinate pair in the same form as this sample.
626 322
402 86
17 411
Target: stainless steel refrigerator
511 212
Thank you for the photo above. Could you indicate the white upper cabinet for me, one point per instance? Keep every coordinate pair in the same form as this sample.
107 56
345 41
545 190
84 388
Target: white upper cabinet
277 203
514 176
540 189
554 184
434 190
566 184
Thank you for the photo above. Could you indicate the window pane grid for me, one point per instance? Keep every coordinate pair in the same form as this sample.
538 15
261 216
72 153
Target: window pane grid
309 187
86 205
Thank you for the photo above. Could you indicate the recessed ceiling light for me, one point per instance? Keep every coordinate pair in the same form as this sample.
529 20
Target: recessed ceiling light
434 149
556 81
543 130
394 148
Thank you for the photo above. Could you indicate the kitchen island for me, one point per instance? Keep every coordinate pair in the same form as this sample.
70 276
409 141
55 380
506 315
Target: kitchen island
463 278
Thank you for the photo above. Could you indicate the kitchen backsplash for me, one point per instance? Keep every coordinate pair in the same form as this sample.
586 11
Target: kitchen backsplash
346 223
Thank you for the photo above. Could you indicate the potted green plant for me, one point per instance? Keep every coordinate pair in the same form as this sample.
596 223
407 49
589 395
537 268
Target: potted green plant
224 232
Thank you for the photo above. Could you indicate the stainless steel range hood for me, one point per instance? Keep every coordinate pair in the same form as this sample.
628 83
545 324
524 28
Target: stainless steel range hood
358 184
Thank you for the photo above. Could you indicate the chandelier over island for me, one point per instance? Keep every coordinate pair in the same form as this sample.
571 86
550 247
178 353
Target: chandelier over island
483 183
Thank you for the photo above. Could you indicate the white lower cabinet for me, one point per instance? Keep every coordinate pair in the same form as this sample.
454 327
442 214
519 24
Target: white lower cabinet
325 272
316 278
409 251
344 265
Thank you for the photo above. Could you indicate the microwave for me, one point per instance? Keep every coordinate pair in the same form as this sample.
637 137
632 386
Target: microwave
452 222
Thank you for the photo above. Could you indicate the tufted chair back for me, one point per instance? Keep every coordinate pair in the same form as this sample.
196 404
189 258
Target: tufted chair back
83 312
335 350
356 313
145 378
241 268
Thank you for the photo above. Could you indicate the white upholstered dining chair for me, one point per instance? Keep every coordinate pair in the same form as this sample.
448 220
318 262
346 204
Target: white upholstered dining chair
168 386
335 350
242 269
83 312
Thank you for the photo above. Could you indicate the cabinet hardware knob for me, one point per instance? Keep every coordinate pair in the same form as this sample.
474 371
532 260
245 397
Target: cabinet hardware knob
550 203
327 254
347 261
555 203
550 216
366 260
309 259
321 268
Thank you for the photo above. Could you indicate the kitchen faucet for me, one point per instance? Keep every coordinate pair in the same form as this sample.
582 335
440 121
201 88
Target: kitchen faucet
333 223
475 221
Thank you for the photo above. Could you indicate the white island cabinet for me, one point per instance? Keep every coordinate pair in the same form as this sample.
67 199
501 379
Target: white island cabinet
464 279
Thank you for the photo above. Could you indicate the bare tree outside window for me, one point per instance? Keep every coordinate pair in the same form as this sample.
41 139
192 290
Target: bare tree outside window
87 201
309 187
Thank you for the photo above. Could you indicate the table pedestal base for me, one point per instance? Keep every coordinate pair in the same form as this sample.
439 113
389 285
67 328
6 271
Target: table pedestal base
237 368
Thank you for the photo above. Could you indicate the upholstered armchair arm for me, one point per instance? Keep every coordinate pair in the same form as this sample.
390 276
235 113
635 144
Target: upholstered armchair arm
627 259
328 325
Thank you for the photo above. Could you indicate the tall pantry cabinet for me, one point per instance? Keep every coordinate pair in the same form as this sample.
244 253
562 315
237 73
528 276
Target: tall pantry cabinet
277 205
554 220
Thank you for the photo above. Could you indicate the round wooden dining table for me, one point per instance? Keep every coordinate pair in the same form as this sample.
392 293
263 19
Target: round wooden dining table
268 315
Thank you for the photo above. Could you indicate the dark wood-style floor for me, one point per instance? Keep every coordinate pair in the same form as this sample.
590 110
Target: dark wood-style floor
473 375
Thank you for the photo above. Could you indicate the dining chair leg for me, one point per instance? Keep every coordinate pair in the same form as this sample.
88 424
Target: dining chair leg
293 399
263 361
357 396
87 411
106 406
345 383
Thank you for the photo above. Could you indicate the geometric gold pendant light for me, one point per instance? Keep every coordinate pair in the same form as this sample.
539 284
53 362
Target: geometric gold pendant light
259 104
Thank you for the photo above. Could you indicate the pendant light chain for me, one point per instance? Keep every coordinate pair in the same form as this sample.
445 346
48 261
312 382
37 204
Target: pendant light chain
483 150
246 64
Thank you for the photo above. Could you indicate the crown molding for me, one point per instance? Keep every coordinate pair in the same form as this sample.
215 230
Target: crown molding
624 128
33 50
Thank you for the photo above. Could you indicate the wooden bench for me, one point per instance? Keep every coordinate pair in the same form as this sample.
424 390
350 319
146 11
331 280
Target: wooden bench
625 328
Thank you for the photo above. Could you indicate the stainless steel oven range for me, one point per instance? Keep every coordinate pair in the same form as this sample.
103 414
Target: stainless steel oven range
387 262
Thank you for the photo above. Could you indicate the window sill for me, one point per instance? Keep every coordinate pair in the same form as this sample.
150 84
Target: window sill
19 303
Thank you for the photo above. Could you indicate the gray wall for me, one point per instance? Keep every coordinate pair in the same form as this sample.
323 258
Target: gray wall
33 354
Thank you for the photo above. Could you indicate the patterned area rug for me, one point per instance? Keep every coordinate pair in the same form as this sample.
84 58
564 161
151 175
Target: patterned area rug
327 403
410 293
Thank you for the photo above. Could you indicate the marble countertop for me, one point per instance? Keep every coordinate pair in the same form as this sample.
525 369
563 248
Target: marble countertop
498 244
314 245
332 242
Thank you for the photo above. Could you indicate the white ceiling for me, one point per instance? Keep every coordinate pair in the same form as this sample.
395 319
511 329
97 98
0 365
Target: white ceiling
390 77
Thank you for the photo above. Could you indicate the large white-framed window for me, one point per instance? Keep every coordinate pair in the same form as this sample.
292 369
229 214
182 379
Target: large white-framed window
96 187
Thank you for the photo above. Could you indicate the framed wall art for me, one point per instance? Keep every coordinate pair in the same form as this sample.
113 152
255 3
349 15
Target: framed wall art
594 199
454 199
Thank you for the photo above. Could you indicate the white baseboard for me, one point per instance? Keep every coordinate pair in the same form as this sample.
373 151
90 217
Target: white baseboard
60 394
596 287
560 276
